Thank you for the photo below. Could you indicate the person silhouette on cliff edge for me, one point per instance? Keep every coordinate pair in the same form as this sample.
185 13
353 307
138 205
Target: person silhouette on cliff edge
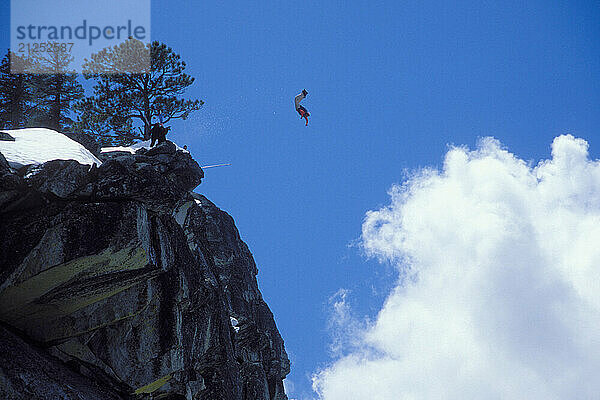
158 133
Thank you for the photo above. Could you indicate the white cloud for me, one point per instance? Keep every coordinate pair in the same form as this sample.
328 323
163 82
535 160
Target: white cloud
502 292
345 329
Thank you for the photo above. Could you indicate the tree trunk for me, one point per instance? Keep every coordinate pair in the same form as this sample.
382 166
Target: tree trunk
56 107
17 116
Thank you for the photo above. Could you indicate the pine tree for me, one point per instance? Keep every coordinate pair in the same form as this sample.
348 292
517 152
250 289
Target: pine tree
135 83
17 103
57 88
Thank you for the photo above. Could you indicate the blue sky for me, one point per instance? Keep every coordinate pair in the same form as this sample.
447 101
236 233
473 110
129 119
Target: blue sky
390 86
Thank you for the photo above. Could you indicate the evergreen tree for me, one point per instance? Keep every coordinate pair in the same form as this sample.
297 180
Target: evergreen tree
135 83
57 89
17 103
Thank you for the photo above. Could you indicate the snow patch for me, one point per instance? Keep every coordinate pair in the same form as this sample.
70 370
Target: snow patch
135 147
39 145
234 324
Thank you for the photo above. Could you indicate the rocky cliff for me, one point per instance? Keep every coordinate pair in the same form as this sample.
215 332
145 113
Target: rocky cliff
118 282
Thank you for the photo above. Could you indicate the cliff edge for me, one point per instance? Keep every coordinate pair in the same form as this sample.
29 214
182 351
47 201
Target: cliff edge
118 282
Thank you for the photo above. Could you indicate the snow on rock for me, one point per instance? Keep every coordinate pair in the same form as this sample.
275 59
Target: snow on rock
234 324
39 145
134 147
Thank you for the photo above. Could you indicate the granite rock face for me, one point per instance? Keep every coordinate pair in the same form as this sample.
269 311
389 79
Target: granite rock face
126 283
27 371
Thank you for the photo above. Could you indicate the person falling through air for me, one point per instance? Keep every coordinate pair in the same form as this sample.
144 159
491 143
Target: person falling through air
301 110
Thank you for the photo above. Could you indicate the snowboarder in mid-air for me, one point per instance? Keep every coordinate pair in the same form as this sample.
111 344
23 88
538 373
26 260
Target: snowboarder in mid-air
301 110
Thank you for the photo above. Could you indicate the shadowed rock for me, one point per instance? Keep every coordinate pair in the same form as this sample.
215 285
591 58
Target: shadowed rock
6 137
31 373
124 275
160 178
